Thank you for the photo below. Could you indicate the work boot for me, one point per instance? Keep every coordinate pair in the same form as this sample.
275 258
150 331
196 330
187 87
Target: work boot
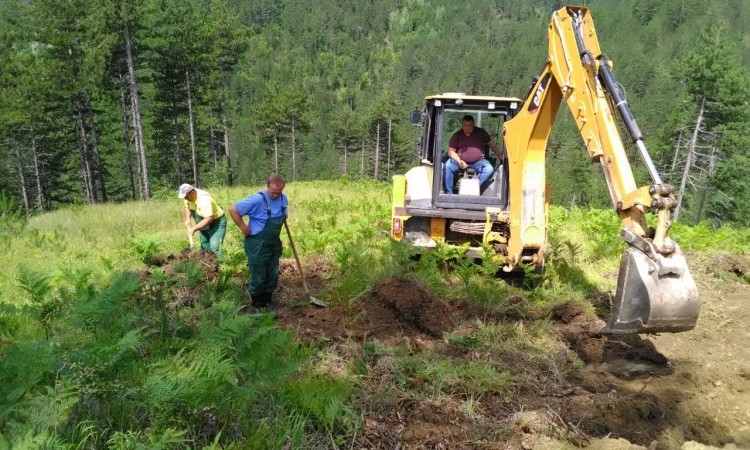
257 302
268 301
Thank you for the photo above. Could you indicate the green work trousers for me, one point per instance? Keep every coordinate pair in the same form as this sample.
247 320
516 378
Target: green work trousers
212 235
263 251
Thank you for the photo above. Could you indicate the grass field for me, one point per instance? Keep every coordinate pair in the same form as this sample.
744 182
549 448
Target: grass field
94 354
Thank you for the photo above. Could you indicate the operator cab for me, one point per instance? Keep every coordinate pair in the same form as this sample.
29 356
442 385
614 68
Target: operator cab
440 118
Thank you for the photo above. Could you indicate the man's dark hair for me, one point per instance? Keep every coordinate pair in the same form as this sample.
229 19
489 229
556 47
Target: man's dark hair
276 180
468 118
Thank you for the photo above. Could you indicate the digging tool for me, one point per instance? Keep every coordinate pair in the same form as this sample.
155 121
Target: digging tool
313 300
190 236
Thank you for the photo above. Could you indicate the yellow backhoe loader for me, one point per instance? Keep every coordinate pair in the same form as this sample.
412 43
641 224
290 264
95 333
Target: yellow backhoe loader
508 211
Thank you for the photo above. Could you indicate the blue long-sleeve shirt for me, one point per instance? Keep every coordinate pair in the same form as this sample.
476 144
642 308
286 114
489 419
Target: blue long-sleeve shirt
255 208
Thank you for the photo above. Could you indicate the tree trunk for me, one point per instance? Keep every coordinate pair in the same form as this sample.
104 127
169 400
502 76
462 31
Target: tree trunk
346 151
139 165
676 153
83 151
176 152
21 176
390 131
362 161
137 123
294 154
98 166
192 129
711 166
126 131
226 143
40 200
375 172
688 163
214 155
275 152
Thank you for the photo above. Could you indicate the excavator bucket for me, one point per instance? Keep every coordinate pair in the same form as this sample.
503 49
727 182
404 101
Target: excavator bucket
655 293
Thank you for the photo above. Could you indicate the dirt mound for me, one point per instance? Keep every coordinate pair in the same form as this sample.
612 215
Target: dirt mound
625 356
394 309
414 306
736 264
315 267
205 260
588 389
177 267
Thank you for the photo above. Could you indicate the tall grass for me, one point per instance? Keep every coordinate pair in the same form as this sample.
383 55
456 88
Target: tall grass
93 356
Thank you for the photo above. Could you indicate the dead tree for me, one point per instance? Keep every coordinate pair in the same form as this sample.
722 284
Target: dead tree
711 166
83 152
128 153
192 129
362 161
40 198
176 151
701 157
99 175
214 155
21 176
689 160
346 151
294 153
390 133
226 143
375 172
137 122
275 151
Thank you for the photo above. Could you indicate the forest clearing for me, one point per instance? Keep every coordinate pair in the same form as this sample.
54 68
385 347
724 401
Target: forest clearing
127 338
469 269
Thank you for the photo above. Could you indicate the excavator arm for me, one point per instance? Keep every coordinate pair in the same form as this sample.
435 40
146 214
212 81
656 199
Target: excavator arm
655 290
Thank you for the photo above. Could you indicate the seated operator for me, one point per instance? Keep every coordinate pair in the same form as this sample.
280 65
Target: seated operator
466 149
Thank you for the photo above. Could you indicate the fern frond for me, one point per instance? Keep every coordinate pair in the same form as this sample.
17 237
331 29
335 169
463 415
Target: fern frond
22 367
52 408
166 439
37 284
322 398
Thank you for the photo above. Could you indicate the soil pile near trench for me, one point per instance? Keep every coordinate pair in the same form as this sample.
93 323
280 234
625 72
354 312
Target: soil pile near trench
658 392
170 264
176 267
394 309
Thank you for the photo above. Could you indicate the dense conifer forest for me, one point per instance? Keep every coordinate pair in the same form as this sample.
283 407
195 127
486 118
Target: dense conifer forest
106 100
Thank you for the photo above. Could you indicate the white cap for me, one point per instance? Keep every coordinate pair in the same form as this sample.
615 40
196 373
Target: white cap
185 189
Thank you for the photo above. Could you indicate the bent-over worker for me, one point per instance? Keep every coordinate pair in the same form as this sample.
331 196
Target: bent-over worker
266 213
209 217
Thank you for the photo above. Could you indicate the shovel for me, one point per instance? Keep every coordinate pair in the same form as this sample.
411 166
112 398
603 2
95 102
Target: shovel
313 300
190 236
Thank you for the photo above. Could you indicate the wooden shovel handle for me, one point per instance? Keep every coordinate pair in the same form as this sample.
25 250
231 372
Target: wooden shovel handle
296 257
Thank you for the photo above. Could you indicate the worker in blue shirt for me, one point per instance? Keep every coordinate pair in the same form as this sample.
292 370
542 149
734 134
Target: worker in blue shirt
266 213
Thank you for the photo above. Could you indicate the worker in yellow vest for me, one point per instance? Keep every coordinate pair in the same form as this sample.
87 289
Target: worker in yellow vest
209 217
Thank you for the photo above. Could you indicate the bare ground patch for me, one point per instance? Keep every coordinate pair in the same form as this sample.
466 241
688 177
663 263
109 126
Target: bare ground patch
656 392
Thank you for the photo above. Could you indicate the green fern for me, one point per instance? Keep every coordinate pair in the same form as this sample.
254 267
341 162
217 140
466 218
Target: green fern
23 367
146 247
267 355
45 303
102 309
52 408
323 399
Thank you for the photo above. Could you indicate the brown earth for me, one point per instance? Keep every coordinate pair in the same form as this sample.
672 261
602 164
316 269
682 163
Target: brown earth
187 295
687 390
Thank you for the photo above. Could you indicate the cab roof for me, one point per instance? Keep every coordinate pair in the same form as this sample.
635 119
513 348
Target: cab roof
455 95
